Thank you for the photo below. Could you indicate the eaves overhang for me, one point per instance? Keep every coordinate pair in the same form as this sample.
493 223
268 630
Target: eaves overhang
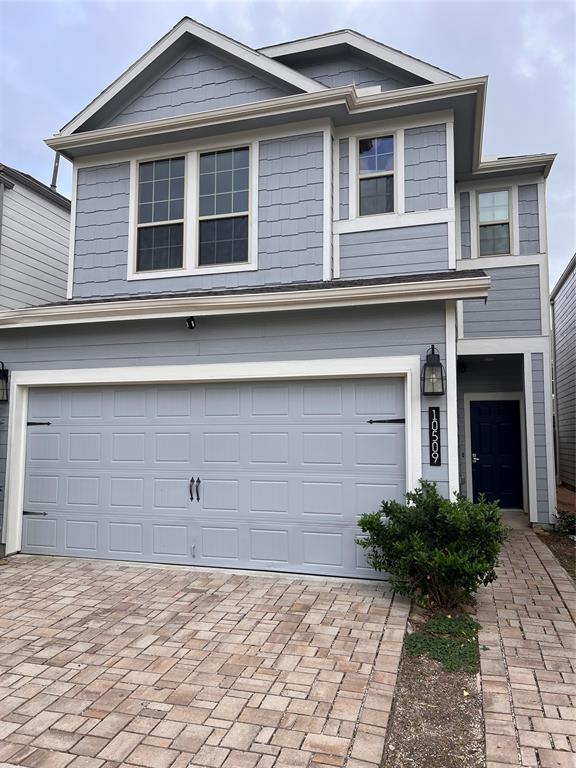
473 284
343 106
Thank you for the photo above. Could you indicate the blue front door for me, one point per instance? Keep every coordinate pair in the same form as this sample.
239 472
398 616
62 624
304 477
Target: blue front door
496 451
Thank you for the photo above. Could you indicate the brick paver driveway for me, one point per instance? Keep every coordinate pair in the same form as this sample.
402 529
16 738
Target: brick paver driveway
104 664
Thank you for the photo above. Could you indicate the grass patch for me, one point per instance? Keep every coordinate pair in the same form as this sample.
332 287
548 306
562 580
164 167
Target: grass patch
450 640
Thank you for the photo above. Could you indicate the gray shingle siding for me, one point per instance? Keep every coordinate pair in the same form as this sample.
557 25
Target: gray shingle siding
465 229
394 251
200 80
344 177
540 444
290 225
528 223
334 70
425 175
564 309
513 305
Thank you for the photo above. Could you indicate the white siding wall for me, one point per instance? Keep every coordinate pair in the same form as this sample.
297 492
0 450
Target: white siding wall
34 249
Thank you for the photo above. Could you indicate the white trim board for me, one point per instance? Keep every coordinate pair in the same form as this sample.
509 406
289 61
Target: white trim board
72 234
516 396
407 367
452 399
241 303
210 36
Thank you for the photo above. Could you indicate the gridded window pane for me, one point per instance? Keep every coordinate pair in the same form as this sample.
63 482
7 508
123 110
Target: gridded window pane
493 206
376 155
160 184
494 239
376 195
224 182
224 241
160 247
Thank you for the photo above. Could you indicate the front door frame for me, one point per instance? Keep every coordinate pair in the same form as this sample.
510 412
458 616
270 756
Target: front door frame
405 367
476 396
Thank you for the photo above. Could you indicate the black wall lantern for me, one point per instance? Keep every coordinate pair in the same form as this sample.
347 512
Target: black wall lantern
433 376
3 383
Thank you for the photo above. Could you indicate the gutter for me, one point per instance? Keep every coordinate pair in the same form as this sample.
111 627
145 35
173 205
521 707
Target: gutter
278 301
346 96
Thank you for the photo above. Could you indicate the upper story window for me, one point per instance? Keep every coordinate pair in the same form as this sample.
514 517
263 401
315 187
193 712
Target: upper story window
224 207
376 175
160 235
494 222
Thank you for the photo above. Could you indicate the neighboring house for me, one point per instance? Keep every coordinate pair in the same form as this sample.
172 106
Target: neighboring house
34 241
266 246
563 301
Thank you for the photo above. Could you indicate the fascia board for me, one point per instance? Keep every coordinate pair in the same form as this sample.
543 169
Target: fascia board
140 309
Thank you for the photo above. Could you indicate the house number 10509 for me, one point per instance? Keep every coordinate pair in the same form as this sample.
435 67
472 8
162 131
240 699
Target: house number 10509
434 435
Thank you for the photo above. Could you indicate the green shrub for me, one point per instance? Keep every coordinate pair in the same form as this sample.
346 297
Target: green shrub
435 550
565 522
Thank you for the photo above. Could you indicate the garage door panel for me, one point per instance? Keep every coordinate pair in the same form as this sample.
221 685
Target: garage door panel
286 468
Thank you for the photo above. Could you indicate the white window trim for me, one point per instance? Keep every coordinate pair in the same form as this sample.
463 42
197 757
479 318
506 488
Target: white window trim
512 218
407 367
354 174
519 397
190 264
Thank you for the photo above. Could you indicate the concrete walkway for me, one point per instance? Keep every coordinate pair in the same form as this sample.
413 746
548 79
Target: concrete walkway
528 658
111 665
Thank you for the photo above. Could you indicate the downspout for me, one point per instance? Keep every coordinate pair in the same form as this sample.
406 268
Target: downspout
54 181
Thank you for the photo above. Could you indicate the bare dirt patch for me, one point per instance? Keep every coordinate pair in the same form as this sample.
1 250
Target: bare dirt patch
437 719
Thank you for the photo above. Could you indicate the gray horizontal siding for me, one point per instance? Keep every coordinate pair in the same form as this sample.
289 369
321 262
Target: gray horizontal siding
528 219
465 231
344 177
394 251
540 445
513 305
34 249
290 225
199 81
565 378
425 175
309 335
333 70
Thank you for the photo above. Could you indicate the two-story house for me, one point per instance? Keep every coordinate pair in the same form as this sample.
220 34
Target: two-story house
294 289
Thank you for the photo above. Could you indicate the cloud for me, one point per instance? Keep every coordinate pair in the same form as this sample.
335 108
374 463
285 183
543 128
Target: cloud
541 31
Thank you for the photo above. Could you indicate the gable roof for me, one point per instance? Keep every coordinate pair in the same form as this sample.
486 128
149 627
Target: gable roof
188 26
367 46
10 176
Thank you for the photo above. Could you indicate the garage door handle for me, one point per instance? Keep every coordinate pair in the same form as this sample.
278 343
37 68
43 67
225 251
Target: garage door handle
198 489
191 488
37 514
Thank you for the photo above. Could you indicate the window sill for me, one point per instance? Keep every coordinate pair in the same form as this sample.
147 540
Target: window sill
393 220
195 272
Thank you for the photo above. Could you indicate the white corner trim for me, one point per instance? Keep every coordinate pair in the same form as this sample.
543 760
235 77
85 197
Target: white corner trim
452 399
514 222
450 175
542 218
545 308
336 255
520 397
366 45
249 302
335 178
399 172
530 438
226 44
72 234
328 213
407 367
352 178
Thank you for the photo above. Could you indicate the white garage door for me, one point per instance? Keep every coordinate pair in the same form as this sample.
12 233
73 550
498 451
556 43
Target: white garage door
262 475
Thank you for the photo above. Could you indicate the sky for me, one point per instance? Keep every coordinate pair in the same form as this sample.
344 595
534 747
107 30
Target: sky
56 55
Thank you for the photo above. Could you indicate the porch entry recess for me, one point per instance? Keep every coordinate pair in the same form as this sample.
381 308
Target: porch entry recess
496 446
266 475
